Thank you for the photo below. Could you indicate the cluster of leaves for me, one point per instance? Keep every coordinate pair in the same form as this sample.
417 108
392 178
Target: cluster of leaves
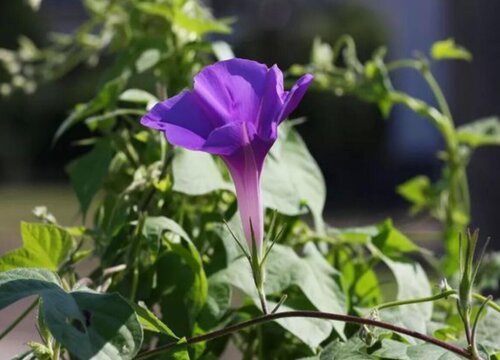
339 70
165 266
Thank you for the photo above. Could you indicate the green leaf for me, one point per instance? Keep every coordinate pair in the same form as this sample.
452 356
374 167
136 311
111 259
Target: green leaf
105 121
139 96
89 325
480 132
447 49
311 273
217 304
412 283
292 181
488 330
44 246
155 226
191 17
391 241
87 173
200 26
395 350
148 59
196 173
352 349
182 282
222 50
418 191
150 322
322 55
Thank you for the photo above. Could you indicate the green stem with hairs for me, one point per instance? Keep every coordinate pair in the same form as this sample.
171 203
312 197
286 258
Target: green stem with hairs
439 296
490 302
443 295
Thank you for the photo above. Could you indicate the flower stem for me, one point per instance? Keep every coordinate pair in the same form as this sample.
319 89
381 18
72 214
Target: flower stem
490 302
18 320
304 314
263 301
442 295
258 272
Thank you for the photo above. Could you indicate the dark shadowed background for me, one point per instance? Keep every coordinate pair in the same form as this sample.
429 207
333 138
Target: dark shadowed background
363 157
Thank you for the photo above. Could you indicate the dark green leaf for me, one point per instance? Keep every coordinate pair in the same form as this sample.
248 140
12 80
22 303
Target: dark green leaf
182 282
89 325
216 306
353 349
88 172
106 97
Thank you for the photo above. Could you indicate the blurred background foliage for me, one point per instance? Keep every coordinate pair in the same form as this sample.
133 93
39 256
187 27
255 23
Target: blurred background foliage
362 157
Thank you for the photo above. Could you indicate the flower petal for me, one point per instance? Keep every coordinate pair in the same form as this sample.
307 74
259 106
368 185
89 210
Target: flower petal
231 90
229 138
182 120
271 104
295 95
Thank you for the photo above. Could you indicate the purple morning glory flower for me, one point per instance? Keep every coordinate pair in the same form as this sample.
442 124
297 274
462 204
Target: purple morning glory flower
233 111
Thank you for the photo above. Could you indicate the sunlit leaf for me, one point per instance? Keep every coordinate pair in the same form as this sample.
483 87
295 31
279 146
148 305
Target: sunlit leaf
311 273
292 181
222 50
391 241
480 132
418 191
447 49
149 321
139 96
44 246
397 350
147 60
412 283
195 173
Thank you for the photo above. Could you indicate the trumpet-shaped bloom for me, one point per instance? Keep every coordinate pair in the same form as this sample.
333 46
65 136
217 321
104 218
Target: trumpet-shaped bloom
233 111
